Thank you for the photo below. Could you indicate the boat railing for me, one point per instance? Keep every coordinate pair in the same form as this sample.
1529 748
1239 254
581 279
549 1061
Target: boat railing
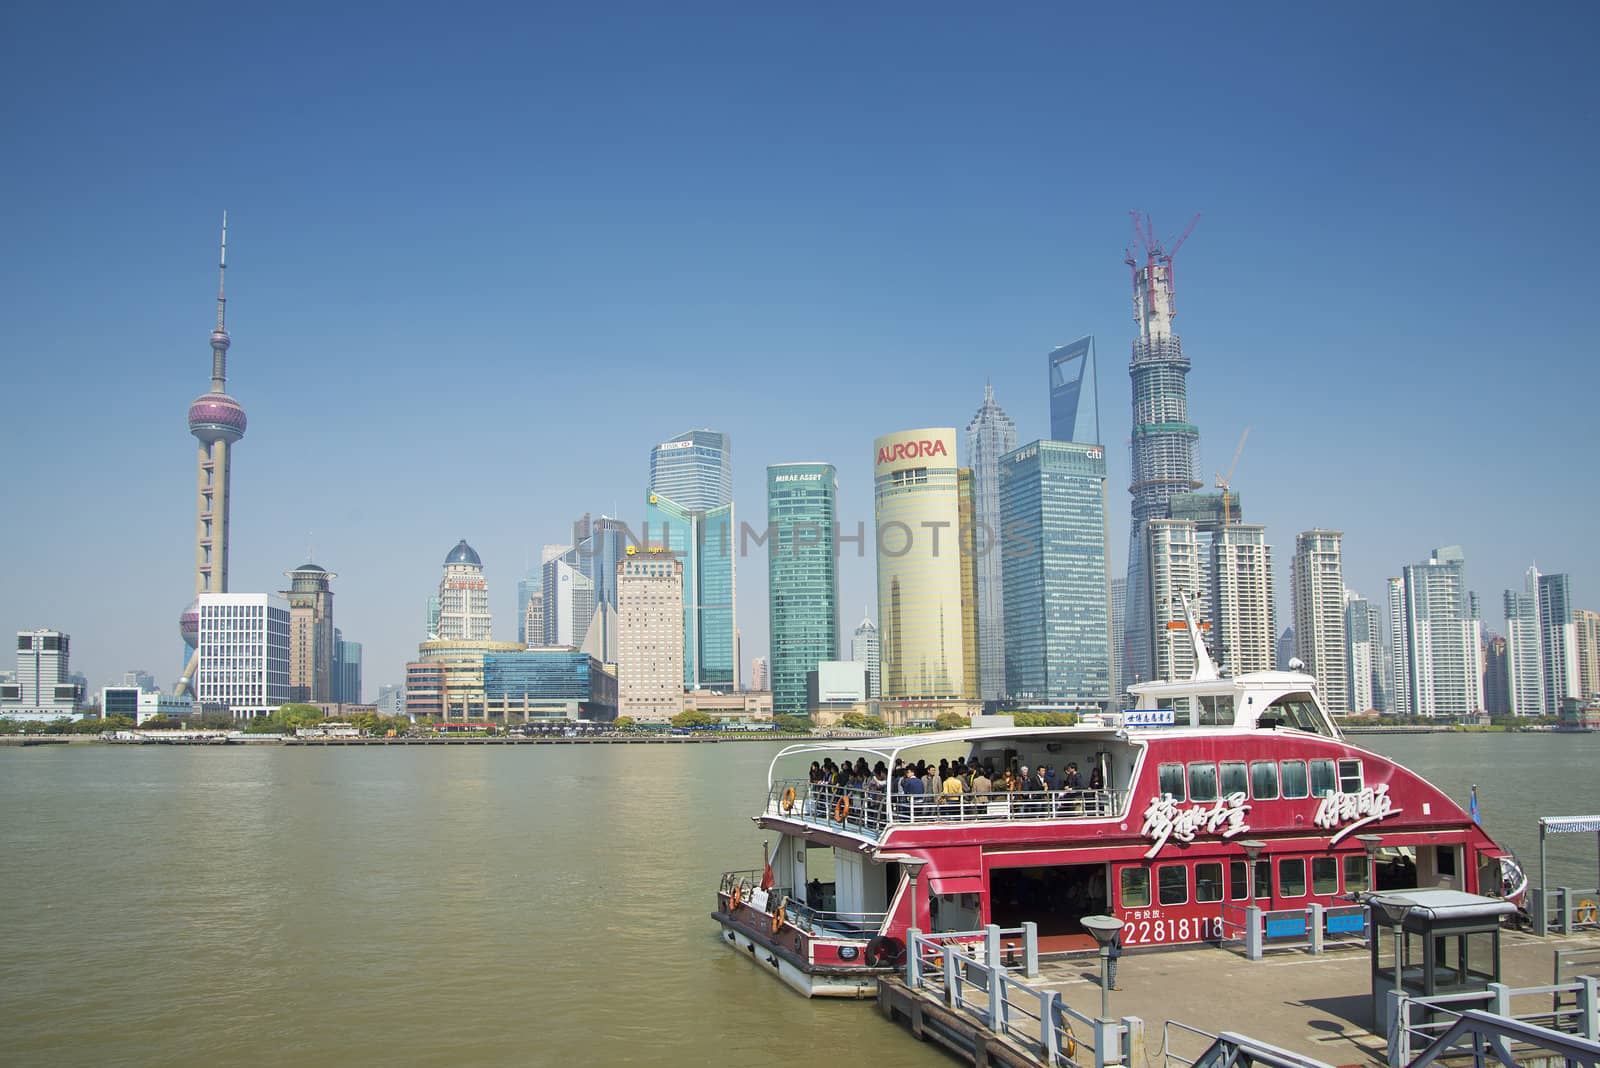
828 923
869 811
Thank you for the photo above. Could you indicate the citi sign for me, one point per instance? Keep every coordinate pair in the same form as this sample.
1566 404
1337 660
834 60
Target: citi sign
911 450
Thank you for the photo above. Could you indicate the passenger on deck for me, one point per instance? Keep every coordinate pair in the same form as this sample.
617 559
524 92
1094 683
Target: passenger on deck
930 778
1096 780
1051 780
907 787
951 791
1070 781
981 783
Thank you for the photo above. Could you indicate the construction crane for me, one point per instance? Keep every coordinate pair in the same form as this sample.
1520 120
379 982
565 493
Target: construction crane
1224 481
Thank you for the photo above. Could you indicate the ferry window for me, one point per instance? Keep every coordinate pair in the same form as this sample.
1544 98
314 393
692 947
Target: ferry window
1264 880
1234 778
1135 888
1444 861
1171 779
1292 877
1208 881
1294 779
1322 780
1216 711
1355 873
1173 883
1163 703
1349 776
1295 710
1325 875
1202 782
1264 780
1238 880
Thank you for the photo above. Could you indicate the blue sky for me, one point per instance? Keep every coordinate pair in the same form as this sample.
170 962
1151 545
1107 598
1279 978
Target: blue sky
483 257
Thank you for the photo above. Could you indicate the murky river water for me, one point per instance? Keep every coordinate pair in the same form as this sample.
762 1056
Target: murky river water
466 905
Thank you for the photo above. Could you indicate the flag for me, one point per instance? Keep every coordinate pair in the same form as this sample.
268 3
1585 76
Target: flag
1472 806
766 869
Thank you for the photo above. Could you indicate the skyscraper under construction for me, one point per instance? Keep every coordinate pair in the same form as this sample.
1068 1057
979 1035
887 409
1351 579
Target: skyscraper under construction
1164 441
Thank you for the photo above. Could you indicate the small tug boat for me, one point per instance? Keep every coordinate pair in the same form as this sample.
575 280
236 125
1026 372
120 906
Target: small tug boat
1170 790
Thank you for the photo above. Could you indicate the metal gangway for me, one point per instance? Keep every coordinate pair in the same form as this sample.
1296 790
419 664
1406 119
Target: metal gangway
1560 1021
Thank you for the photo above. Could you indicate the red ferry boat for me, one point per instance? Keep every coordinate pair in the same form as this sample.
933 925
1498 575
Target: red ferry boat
1178 783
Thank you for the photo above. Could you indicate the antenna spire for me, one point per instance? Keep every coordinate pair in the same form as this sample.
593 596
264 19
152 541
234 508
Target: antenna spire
219 337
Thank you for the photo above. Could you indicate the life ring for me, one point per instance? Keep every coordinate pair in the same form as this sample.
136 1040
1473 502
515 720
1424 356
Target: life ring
777 920
884 949
1586 912
735 899
841 809
787 800
1069 1044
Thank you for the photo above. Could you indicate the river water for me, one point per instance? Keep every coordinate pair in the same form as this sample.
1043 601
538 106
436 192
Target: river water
467 905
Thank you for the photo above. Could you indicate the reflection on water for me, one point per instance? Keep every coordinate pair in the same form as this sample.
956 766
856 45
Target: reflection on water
465 905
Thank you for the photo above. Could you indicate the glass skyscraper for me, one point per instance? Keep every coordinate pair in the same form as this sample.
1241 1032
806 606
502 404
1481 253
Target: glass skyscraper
704 541
990 435
694 469
1074 393
802 577
1057 598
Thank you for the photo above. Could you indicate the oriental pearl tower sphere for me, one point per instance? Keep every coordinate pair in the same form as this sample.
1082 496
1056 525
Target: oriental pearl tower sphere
217 421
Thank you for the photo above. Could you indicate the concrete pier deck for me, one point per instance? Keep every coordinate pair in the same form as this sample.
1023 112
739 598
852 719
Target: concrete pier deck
1319 1006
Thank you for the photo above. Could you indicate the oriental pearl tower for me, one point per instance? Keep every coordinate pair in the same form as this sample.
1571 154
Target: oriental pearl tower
218 421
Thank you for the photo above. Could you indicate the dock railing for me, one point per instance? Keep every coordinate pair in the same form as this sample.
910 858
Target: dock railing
868 811
1314 928
1416 1023
1563 910
1231 1048
965 970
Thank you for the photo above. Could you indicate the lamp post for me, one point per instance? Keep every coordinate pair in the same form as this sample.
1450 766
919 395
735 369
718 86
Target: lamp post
1252 913
1371 842
1105 930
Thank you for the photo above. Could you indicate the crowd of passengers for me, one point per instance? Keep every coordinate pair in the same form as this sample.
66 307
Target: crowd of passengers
950 780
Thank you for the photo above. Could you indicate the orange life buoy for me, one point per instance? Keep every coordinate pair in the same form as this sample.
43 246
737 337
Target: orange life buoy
841 809
734 899
787 800
777 920
1586 912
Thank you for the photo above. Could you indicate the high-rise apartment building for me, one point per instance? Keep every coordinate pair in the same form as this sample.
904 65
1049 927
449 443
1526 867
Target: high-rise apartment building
990 435
1172 552
1439 660
1525 687
1057 598
601 545
218 422
463 597
1164 441
1244 614
244 653
1319 636
802 577
760 674
1074 393
864 649
1399 662
1558 638
921 594
43 688
1586 651
1496 677
694 469
1119 639
311 651
650 636
529 586
1363 649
